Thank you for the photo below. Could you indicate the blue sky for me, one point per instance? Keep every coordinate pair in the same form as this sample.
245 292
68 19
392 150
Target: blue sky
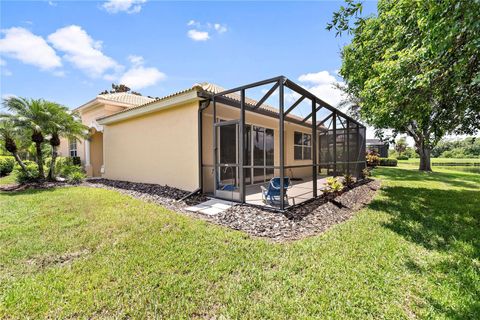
70 51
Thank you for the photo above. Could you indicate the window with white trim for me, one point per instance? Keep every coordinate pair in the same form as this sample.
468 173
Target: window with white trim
73 148
302 146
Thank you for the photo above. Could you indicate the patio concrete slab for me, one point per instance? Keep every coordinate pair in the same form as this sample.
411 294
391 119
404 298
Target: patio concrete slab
299 192
211 207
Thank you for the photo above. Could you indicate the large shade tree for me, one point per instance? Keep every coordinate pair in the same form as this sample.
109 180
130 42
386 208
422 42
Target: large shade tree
414 67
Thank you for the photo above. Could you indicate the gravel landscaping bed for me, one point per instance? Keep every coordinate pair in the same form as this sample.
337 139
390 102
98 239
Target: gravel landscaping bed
299 222
163 195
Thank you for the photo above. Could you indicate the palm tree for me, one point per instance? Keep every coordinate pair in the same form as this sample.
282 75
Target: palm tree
30 116
9 135
61 123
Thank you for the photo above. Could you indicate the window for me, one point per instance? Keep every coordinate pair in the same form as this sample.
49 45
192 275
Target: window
73 148
302 146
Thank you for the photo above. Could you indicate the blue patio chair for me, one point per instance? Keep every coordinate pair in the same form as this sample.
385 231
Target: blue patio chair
225 187
272 191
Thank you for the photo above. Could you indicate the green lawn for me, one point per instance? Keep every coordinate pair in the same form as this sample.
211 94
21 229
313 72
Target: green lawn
92 253
10 179
443 160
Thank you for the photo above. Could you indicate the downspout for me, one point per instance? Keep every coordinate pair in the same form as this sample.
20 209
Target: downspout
202 105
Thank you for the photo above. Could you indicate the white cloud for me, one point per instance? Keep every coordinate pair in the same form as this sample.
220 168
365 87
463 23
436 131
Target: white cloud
82 51
21 44
321 84
2 62
322 77
203 31
135 60
196 35
51 3
128 6
220 28
138 76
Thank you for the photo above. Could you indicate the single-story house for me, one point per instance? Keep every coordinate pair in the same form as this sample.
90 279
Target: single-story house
194 139
378 146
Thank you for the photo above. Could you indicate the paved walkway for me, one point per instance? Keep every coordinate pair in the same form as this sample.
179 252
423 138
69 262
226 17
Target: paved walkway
211 207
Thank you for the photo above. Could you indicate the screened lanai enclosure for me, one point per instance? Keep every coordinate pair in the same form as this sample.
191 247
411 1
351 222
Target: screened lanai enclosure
273 143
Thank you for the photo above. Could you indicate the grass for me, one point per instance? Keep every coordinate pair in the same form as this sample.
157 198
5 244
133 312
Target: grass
443 160
10 179
92 253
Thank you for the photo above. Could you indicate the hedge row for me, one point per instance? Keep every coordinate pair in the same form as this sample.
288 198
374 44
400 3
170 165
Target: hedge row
6 165
388 162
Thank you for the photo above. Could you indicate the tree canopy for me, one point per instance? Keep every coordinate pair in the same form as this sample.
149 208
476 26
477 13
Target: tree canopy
116 88
414 68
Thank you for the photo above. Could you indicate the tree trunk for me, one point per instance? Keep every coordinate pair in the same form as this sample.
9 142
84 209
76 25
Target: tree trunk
41 172
424 153
51 171
19 161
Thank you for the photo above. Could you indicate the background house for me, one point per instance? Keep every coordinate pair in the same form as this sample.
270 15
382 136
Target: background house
379 146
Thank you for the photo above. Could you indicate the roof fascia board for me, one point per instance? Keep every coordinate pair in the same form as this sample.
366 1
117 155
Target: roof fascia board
100 101
154 107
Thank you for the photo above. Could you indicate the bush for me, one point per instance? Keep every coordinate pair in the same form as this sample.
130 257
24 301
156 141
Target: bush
75 161
31 175
348 180
388 162
366 173
334 185
76 177
373 159
60 164
6 165
68 169
403 157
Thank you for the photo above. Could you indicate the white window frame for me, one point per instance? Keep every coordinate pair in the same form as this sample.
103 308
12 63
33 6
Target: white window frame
73 148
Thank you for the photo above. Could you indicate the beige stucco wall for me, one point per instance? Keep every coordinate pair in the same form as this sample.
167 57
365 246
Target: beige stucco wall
160 148
63 148
229 113
88 116
96 153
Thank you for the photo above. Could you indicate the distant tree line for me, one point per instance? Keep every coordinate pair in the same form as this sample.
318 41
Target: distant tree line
447 148
459 148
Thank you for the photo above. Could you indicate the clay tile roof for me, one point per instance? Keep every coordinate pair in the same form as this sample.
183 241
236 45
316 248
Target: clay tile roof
206 87
127 98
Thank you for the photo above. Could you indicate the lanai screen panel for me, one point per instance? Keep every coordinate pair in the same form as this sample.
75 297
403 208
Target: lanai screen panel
342 148
336 142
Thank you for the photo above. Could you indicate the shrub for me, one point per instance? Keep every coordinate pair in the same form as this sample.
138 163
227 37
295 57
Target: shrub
334 185
76 177
348 180
366 173
388 162
403 157
75 161
6 165
373 159
62 166
69 169
31 175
